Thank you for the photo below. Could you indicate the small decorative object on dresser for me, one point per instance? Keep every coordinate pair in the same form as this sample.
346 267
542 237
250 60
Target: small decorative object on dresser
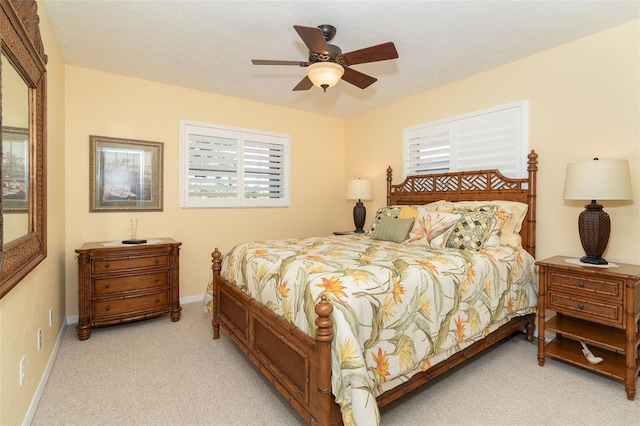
597 315
120 283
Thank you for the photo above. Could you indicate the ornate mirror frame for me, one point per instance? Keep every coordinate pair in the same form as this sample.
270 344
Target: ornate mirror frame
22 44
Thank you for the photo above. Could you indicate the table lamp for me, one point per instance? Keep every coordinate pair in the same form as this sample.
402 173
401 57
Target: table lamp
596 180
359 189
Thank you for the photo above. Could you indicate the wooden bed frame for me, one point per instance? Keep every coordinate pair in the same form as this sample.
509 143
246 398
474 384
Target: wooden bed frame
300 366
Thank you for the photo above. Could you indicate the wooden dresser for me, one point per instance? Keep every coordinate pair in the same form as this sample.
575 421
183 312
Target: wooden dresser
120 283
597 306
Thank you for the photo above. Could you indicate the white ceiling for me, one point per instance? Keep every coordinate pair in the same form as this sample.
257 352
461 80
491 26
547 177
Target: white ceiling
208 45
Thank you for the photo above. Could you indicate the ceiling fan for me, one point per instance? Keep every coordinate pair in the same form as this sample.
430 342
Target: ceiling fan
327 64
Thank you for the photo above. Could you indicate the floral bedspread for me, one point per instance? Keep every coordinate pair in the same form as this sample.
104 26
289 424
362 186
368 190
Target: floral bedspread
398 309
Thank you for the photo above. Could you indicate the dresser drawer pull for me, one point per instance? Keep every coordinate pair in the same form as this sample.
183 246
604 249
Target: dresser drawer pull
580 284
157 261
106 265
157 300
157 279
580 305
107 285
107 308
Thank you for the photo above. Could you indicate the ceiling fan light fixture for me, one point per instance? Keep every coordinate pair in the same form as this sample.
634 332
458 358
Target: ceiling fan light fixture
325 74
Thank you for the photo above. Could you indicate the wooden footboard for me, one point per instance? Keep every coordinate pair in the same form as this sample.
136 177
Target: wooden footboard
298 366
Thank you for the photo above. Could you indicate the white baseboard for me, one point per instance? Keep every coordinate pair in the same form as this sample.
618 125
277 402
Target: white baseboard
45 376
192 299
73 319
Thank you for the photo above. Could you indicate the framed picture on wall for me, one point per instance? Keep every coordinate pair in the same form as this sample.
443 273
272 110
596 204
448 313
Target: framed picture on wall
15 169
125 174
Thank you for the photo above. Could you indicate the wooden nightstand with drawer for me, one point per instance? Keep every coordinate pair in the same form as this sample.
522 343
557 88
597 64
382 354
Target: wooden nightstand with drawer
119 283
597 306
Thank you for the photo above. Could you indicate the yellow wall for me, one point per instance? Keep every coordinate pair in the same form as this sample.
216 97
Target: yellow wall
25 308
584 103
110 105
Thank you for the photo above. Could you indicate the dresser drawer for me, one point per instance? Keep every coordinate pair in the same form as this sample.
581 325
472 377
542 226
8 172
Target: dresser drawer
593 310
131 305
106 286
586 284
121 264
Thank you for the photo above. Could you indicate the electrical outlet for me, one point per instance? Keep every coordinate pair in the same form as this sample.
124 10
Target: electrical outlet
39 339
23 362
50 317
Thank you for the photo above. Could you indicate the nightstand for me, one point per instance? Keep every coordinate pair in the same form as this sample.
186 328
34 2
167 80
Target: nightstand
119 283
598 306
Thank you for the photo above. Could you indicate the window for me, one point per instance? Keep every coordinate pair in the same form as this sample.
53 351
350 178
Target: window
228 167
495 138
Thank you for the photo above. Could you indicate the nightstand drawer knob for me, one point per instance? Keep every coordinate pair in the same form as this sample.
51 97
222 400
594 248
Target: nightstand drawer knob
107 285
157 279
157 300
580 284
157 261
107 308
106 265
580 305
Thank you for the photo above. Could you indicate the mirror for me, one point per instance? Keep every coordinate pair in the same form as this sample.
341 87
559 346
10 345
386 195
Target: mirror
23 233
15 152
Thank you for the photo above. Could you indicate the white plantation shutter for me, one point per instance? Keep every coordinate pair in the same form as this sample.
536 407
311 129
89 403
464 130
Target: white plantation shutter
264 170
428 150
495 138
226 167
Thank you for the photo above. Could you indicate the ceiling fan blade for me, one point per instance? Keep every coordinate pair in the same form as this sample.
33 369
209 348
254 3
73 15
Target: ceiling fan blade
357 78
381 52
313 38
305 84
270 62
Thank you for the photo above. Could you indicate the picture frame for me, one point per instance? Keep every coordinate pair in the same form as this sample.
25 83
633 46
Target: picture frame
15 169
125 174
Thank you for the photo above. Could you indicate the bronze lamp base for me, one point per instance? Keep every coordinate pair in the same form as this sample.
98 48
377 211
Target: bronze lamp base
594 227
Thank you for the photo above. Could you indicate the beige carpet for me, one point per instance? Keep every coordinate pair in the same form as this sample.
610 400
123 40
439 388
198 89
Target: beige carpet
156 372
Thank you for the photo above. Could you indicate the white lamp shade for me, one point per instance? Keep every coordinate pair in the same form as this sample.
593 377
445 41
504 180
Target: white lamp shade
598 180
325 73
359 189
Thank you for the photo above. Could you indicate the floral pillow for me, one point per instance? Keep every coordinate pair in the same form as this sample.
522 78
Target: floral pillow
432 228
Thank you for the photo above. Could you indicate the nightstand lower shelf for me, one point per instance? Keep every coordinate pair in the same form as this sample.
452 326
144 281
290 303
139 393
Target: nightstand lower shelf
567 350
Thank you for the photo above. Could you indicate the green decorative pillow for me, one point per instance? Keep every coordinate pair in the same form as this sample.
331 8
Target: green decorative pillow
471 230
388 212
392 229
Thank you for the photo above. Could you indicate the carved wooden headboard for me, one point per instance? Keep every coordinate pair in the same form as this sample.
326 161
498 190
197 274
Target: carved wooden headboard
472 186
